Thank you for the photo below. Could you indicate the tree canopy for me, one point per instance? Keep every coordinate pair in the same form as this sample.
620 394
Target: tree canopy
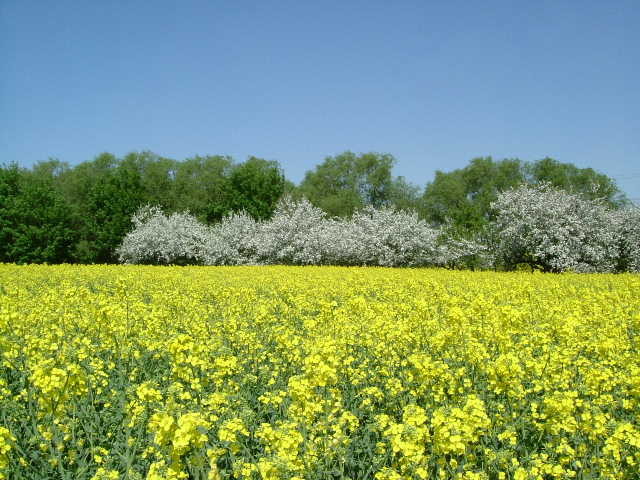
54 212
35 221
348 182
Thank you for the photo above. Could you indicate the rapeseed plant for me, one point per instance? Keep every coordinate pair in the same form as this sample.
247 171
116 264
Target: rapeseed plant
312 373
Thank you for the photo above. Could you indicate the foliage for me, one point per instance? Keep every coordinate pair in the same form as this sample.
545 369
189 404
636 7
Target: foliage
257 185
267 373
9 190
57 213
568 177
110 203
348 182
202 186
404 195
35 224
463 197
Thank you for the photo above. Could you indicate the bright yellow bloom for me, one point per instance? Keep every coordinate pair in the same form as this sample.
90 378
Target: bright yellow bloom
299 373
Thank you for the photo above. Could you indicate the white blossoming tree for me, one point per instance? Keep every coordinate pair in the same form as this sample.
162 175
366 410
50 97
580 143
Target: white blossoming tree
233 241
294 235
553 230
626 222
535 225
160 239
464 253
385 237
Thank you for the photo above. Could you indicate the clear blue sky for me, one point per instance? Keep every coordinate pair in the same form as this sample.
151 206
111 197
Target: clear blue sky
433 83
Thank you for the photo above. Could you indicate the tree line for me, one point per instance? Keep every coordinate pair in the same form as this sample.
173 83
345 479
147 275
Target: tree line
57 213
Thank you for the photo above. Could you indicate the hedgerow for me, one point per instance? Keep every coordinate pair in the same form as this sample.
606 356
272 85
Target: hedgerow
539 226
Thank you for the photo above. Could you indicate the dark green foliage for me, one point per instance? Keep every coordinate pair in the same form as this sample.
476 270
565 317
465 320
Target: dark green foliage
348 182
35 221
202 186
404 195
256 187
54 213
157 178
463 196
110 203
9 192
292 190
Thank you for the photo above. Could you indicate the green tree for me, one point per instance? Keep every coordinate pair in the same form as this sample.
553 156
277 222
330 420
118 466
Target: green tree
78 182
157 178
202 186
292 190
35 221
347 182
9 190
405 195
256 186
110 203
52 170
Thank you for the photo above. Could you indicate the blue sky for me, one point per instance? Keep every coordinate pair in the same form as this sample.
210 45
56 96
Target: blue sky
433 83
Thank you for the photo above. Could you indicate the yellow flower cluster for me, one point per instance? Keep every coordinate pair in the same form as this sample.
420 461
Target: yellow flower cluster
6 441
291 373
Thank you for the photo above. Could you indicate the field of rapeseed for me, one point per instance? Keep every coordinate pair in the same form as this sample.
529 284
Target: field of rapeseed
317 373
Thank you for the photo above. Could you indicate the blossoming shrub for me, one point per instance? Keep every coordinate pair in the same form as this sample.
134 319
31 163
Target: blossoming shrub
626 223
297 234
265 373
384 237
538 226
160 239
232 241
459 252
554 230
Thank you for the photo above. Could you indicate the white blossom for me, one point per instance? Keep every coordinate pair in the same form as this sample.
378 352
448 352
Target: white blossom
464 252
159 239
553 229
536 225
232 241
626 223
383 237
293 235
